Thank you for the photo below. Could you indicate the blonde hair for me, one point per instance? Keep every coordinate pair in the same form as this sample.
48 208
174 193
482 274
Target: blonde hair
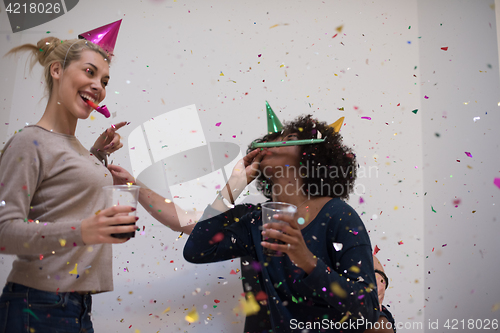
50 50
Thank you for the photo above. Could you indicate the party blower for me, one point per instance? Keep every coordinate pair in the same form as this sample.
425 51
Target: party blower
101 109
274 126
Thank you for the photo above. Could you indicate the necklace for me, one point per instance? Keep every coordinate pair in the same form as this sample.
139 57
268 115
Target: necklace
302 203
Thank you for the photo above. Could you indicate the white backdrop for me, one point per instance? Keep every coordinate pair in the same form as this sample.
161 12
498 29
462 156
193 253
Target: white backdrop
358 59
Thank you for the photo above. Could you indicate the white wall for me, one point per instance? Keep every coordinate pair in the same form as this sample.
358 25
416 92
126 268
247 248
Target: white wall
461 241
171 54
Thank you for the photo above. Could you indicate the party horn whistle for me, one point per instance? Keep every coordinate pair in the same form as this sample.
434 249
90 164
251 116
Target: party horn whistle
286 143
101 109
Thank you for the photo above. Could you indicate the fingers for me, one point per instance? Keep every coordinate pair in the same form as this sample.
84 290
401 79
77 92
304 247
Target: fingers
259 156
115 168
119 125
287 239
276 247
121 229
250 156
290 220
112 211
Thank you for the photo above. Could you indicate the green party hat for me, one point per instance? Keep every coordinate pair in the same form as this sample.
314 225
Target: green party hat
273 123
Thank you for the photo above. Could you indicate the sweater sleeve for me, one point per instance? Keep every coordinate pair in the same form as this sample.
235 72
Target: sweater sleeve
220 236
21 173
351 285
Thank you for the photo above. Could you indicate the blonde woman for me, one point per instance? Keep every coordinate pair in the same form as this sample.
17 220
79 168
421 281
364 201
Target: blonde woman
53 215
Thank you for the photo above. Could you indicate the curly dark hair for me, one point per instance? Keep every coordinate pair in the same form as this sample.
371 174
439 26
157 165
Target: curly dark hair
330 166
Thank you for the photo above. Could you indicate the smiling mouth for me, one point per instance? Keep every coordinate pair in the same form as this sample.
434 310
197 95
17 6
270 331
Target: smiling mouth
86 97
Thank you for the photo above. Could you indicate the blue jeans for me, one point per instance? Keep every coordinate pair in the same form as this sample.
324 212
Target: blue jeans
24 309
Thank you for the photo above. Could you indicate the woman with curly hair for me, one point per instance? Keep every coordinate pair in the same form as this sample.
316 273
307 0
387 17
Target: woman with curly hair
325 281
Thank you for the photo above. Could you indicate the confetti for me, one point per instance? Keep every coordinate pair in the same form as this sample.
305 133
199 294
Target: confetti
62 242
218 237
192 316
74 271
433 209
468 154
218 124
361 200
31 313
415 111
250 305
261 296
444 48
496 181
301 220
166 310
476 118
368 118
337 290
338 246
233 272
400 243
376 250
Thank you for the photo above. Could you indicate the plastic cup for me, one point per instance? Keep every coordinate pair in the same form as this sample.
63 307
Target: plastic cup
268 210
125 195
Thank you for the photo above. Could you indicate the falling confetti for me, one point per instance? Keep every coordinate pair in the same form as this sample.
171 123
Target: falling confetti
444 48
415 111
166 310
400 243
250 305
218 237
468 154
62 242
74 271
375 251
337 290
496 181
361 200
433 209
301 220
368 118
31 313
192 316
218 124
261 296
338 246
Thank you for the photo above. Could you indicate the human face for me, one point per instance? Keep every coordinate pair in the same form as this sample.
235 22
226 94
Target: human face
83 79
281 157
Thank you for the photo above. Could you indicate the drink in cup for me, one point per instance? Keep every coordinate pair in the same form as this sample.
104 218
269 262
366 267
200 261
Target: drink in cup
125 195
268 210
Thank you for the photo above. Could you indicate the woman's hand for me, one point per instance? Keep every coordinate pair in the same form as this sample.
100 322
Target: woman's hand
295 246
120 175
98 228
109 141
248 166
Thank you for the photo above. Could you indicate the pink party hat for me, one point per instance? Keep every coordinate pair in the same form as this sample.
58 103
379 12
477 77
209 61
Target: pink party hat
104 36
